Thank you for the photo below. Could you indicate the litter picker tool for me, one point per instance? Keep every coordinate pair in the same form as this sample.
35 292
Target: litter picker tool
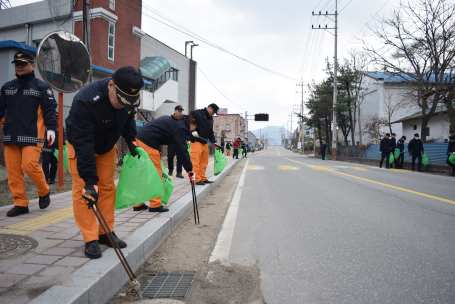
110 236
195 207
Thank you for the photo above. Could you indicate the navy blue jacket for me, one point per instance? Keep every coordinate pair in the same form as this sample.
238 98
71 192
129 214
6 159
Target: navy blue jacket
451 147
27 103
166 130
400 145
205 129
94 126
415 146
385 146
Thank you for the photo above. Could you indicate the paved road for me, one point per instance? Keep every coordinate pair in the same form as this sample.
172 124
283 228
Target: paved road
333 232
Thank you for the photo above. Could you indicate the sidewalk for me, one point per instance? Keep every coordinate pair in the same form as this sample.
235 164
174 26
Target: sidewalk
42 253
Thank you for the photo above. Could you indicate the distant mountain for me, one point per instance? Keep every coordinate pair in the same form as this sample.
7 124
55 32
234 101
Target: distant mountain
273 134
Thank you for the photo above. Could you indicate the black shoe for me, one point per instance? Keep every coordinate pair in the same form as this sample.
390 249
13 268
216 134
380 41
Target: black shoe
141 207
51 182
207 181
170 173
420 170
92 250
200 183
45 201
47 181
179 175
105 241
237 158
17 210
159 209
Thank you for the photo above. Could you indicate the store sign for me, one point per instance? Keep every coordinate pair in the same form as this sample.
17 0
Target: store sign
222 112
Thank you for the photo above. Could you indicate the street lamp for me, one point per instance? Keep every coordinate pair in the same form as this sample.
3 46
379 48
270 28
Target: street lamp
186 44
192 46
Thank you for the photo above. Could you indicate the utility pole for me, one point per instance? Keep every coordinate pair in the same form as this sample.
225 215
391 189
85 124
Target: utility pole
86 29
301 118
335 68
246 126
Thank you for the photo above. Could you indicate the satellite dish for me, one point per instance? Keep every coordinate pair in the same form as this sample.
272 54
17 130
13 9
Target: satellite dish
63 61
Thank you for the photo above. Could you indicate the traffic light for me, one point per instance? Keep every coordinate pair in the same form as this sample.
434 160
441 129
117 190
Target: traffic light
261 117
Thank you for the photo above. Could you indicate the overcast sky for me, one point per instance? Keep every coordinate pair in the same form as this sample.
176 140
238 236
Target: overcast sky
272 34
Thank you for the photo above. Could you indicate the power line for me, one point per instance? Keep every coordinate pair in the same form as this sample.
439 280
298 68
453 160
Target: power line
365 25
219 90
205 41
345 7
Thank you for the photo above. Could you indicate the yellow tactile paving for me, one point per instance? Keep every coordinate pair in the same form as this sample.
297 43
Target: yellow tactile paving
39 222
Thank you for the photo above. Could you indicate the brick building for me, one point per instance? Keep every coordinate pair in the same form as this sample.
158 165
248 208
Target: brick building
116 40
232 124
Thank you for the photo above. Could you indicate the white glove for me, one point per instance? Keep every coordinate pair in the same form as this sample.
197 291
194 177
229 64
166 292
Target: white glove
194 133
50 137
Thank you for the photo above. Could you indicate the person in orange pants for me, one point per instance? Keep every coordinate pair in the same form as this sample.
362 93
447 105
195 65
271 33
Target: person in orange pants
228 149
27 106
101 112
166 130
105 168
199 147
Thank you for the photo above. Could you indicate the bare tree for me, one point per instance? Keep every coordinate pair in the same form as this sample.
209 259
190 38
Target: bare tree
417 46
393 103
372 128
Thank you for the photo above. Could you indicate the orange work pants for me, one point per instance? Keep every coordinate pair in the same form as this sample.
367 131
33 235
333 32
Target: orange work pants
228 152
200 160
20 160
84 217
156 160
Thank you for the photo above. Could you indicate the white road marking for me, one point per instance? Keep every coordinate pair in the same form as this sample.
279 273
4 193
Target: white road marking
224 239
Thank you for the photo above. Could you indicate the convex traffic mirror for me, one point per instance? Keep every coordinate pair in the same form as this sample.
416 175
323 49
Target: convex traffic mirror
63 61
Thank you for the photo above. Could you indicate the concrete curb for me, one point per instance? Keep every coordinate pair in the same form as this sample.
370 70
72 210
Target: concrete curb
99 280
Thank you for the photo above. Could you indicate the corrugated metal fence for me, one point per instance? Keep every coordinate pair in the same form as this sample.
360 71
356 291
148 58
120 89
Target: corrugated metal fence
436 152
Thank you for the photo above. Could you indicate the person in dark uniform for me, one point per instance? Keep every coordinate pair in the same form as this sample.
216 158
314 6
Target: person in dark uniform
167 130
400 146
101 112
385 148
49 159
171 151
199 148
415 148
244 149
451 150
393 142
27 106
228 149
323 149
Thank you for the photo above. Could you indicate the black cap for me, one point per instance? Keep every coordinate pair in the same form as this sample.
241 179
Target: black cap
404 137
128 82
452 131
387 134
393 134
197 117
214 107
23 56
416 134
179 108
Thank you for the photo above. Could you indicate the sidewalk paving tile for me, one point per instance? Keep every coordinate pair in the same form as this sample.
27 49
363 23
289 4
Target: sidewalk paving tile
61 236
59 251
44 259
53 271
35 280
72 261
8 280
26 269
71 244
40 234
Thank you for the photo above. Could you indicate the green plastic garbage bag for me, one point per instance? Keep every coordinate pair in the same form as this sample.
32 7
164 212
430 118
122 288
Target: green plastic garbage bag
139 181
391 158
452 159
396 154
168 185
241 153
425 159
65 156
189 148
325 158
220 162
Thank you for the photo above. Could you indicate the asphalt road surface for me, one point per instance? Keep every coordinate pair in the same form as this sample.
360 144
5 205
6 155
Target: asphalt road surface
333 232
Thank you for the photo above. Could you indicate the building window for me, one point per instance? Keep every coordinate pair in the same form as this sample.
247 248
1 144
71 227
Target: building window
228 127
111 41
112 4
216 128
427 131
414 127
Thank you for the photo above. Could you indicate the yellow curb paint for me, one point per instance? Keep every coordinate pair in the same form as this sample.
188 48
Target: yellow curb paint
39 222
398 170
390 186
358 168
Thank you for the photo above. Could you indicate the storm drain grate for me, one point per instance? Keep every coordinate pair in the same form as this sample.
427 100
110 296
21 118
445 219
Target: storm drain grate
166 285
